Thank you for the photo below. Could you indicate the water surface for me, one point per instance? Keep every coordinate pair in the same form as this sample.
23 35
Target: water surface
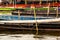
29 35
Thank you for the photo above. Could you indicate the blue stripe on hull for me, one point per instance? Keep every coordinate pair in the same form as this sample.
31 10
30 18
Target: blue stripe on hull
21 17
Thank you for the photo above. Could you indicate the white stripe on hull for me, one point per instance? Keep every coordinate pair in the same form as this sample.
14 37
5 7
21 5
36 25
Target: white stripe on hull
32 21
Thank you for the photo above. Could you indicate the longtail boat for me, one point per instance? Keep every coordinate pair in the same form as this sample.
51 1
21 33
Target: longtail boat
7 14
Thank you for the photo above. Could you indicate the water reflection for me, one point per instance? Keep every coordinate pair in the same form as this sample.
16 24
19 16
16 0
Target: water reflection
29 35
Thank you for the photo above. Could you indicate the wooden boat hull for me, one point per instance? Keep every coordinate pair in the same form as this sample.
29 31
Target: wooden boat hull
27 23
48 27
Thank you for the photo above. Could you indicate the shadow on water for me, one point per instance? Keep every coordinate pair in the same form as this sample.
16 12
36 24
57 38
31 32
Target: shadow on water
13 34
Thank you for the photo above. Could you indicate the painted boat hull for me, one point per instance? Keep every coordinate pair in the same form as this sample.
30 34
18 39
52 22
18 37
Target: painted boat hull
26 19
27 22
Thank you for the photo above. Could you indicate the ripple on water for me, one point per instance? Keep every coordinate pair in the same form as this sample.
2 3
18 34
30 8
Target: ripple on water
3 34
27 36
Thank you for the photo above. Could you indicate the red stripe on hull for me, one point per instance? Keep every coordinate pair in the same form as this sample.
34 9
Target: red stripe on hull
34 5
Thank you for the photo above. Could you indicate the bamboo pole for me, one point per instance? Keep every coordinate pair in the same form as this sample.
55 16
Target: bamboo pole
48 11
18 14
57 11
36 22
25 1
40 1
56 1
47 1
13 3
53 3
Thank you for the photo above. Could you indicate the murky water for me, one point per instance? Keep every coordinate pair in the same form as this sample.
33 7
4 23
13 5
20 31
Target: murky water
29 35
